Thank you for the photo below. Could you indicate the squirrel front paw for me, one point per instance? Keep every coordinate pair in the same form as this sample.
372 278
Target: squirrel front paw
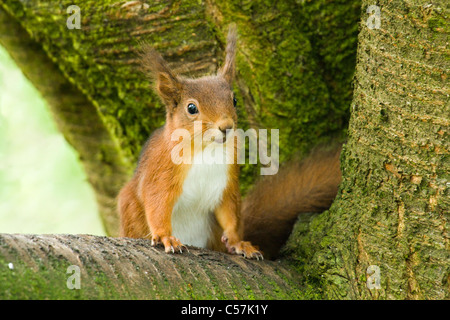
171 244
244 248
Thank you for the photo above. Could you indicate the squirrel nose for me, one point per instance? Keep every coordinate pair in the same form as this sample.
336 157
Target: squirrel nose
225 127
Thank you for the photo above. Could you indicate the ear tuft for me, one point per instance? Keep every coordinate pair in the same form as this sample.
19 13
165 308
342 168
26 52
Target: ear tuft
168 85
228 68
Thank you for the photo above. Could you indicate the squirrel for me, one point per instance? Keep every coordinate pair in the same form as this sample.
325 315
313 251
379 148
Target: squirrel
197 204
193 203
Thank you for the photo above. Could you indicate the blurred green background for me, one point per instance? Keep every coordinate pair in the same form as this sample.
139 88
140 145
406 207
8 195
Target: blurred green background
43 188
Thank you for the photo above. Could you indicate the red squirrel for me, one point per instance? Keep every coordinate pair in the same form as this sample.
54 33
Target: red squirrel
177 204
188 203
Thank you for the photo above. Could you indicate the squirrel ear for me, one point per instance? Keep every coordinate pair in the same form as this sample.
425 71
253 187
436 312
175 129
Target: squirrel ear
168 85
168 88
228 68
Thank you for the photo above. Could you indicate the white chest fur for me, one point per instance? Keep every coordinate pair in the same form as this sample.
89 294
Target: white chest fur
202 193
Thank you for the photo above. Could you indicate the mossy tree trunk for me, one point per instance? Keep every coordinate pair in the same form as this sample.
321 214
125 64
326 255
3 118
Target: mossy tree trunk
393 207
295 64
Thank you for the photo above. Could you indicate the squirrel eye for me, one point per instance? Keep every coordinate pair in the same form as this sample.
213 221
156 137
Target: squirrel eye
192 108
234 102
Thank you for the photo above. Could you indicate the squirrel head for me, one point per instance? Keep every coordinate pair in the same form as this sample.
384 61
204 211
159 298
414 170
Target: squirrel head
208 99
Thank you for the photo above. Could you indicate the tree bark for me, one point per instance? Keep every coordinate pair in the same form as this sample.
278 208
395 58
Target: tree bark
393 207
37 267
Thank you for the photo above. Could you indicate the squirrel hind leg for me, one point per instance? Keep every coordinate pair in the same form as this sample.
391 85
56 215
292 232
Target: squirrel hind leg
133 223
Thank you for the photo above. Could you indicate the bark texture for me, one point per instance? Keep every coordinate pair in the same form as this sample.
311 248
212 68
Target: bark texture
36 267
393 207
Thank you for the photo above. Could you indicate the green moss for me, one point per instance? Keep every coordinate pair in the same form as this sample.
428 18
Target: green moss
23 282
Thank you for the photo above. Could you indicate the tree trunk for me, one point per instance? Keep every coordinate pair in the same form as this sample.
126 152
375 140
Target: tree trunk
392 210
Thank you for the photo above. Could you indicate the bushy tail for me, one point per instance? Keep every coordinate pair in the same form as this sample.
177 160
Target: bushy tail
271 208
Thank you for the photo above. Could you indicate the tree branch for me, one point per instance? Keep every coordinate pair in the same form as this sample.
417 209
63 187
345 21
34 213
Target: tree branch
36 267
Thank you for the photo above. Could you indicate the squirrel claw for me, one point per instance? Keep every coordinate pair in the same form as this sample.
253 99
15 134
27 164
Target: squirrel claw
184 247
244 248
171 244
224 239
258 255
